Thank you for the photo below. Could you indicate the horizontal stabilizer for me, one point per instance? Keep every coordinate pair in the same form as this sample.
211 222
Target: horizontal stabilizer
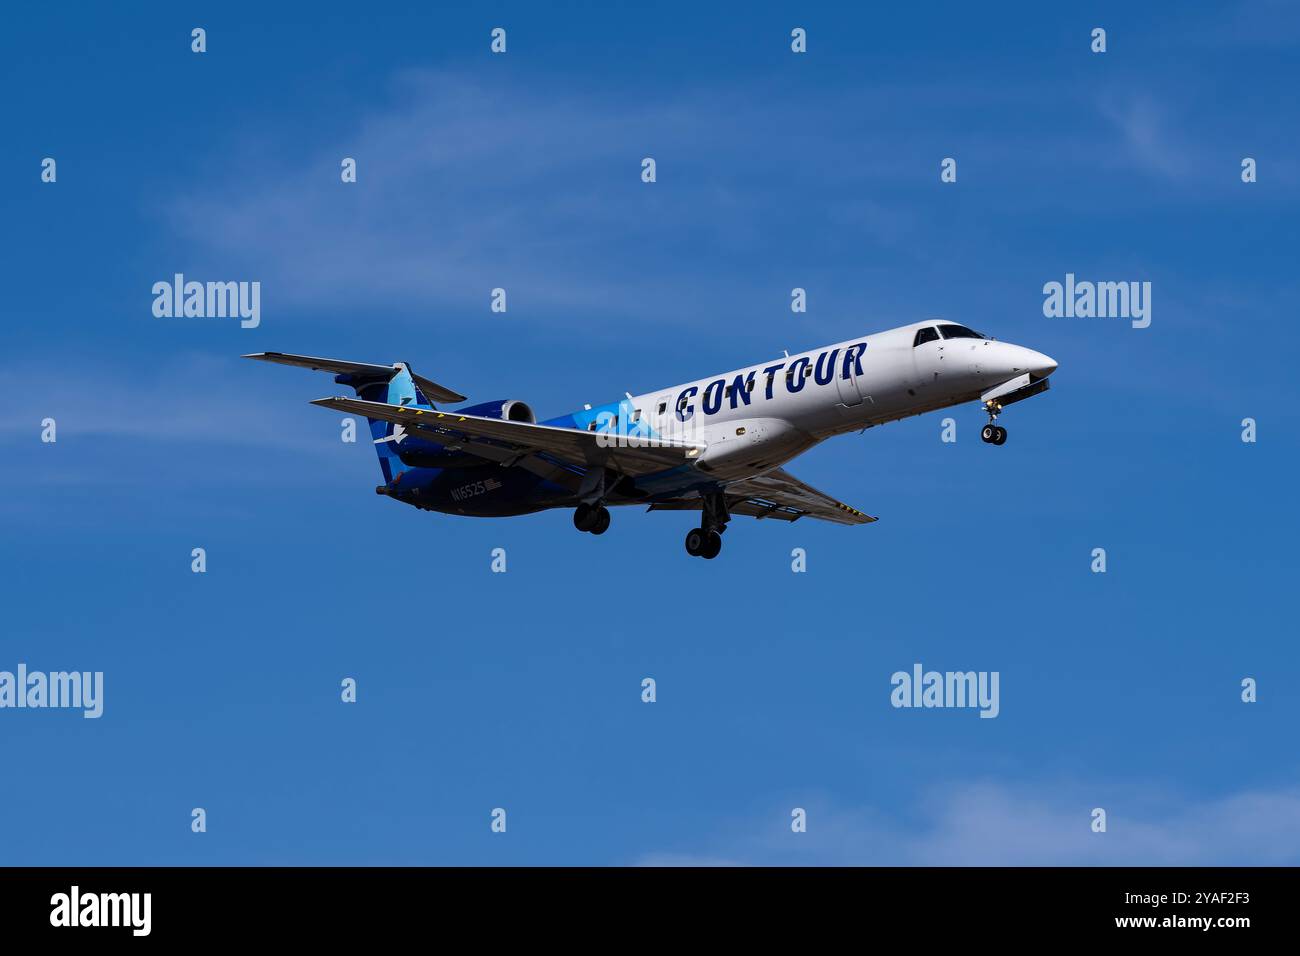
435 392
432 390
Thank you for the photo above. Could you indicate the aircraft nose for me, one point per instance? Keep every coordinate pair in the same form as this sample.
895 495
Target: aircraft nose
1036 363
1043 365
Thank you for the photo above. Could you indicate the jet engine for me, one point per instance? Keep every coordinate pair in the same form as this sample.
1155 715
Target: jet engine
508 410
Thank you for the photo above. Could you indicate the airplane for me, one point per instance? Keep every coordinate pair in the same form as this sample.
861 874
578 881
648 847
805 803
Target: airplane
714 445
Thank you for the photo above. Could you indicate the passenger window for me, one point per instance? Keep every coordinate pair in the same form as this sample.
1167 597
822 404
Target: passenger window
924 335
636 415
591 425
663 407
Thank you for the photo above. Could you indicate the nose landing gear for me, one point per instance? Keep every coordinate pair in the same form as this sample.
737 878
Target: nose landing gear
993 433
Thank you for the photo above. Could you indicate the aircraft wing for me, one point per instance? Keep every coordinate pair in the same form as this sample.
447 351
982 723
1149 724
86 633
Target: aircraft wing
777 494
473 432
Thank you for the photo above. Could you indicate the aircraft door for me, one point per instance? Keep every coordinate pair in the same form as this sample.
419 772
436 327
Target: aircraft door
849 388
663 417
928 359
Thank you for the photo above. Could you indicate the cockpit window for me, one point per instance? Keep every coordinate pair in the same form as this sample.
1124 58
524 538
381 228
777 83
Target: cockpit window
925 335
959 332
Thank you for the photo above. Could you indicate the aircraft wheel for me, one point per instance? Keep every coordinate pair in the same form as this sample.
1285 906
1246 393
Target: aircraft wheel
989 433
602 521
1001 437
712 545
695 542
584 517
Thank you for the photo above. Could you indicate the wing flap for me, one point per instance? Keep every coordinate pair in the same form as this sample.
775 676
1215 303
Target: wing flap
780 488
777 494
742 506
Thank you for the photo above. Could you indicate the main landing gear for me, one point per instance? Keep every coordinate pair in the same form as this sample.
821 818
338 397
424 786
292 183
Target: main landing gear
703 543
992 433
592 518
706 540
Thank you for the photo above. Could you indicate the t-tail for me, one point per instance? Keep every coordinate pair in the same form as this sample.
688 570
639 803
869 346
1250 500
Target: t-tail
392 384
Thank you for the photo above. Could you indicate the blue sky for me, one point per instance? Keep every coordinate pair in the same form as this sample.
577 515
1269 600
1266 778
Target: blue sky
522 690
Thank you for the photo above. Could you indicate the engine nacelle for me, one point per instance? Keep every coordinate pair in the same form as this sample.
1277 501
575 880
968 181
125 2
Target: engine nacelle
508 410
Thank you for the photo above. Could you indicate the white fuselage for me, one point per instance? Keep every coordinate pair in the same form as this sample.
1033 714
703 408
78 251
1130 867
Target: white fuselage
753 419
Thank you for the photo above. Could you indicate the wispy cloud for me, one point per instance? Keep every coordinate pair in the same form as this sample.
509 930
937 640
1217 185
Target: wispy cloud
466 184
1147 136
1247 24
190 399
462 187
998 825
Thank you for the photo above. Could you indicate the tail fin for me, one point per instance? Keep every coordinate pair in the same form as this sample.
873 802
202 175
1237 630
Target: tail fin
393 384
398 389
